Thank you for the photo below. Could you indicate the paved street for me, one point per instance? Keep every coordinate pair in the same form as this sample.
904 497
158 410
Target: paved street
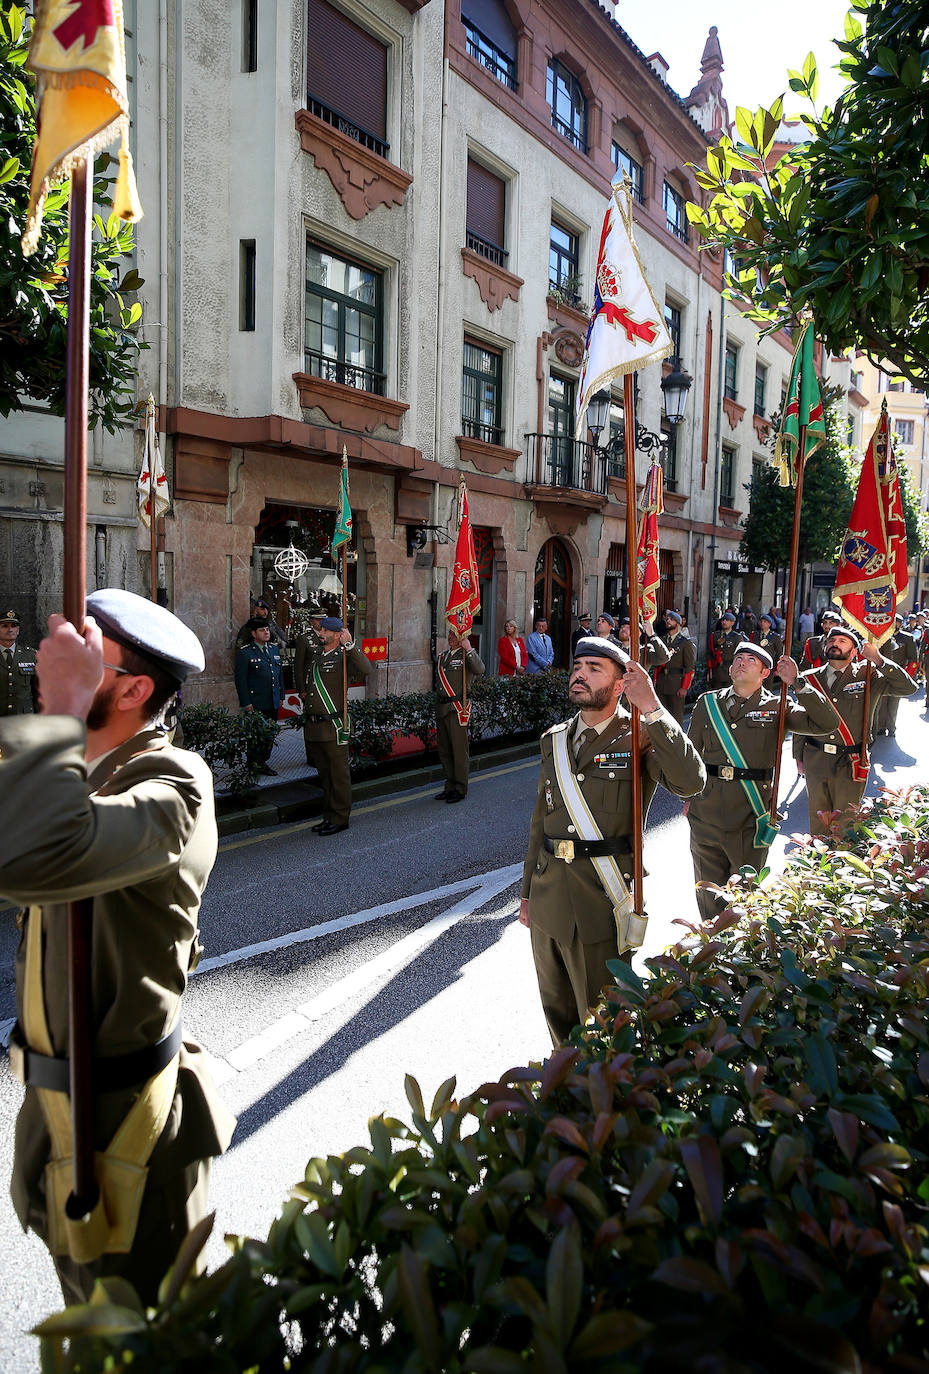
333 967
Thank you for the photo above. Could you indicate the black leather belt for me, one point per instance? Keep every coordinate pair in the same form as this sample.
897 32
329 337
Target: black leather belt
728 772
587 849
110 1075
843 749
319 720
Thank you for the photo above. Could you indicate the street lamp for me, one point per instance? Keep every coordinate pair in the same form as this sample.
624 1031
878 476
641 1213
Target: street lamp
674 389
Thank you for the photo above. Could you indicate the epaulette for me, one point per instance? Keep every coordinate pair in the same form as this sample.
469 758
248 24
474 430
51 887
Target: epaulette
553 728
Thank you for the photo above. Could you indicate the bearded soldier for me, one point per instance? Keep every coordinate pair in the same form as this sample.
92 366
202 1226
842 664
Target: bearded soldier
456 668
321 677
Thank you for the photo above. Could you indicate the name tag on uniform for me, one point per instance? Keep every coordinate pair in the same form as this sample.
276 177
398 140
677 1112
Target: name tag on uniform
613 760
853 688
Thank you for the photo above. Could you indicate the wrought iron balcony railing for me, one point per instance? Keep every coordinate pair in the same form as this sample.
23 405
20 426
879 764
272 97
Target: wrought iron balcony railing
485 249
558 461
345 126
346 374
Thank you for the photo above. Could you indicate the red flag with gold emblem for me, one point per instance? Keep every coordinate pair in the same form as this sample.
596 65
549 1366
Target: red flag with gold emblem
464 597
647 551
872 577
78 54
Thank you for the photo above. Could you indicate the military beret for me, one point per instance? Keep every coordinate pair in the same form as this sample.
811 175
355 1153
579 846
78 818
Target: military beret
898 617
592 646
675 615
747 647
625 621
846 630
331 622
11 618
605 615
769 618
148 628
728 615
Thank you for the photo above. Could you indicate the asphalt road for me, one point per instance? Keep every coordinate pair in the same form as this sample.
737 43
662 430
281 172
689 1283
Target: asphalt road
335 966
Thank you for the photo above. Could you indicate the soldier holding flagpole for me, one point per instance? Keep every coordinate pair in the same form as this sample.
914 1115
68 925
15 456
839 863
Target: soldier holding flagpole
582 879
459 663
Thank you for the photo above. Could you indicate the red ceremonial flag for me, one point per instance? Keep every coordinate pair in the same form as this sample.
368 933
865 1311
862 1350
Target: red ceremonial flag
647 551
872 576
464 597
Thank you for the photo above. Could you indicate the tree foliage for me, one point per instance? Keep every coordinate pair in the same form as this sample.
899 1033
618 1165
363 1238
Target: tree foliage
840 224
34 291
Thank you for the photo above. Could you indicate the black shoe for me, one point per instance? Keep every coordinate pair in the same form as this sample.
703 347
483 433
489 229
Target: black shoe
318 826
330 828
442 796
269 772
455 797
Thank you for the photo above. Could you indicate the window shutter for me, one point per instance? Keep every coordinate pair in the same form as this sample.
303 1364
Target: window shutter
346 68
486 204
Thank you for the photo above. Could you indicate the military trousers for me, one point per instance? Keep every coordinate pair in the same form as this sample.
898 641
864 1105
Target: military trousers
829 786
171 1207
672 703
331 763
571 976
885 719
717 856
454 755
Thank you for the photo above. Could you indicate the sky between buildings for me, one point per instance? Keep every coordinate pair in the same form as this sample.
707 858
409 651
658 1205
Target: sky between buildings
759 43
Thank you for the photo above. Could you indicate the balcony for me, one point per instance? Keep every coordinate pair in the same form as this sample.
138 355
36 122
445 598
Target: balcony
331 369
485 249
346 127
566 479
486 52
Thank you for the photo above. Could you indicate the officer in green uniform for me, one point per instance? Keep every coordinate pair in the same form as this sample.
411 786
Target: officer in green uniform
676 675
735 731
812 656
452 713
95 803
574 908
653 652
768 638
18 689
827 764
900 648
320 681
723 644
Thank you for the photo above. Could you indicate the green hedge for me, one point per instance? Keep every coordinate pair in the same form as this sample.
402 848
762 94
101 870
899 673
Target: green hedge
234 743
725 1172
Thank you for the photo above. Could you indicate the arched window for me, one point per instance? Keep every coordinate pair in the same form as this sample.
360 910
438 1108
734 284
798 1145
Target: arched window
568 104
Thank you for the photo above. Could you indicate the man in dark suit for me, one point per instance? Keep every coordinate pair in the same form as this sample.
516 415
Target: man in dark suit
259 676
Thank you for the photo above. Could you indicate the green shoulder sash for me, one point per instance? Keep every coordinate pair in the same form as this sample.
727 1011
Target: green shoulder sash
765 832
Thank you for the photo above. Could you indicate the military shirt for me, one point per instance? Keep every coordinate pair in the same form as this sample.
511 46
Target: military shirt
847 695
568 897
724 645
452 665
682 659
18 682
329 663
773 643
723 804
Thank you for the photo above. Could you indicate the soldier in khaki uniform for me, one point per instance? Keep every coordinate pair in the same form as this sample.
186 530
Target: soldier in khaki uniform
451 731
826 763
676 675
723 644
95 803
18 689
653 652
812 656
768 638
574 924
320 682
900 649
726 831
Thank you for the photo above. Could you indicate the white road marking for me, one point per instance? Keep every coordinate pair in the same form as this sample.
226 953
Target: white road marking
481 889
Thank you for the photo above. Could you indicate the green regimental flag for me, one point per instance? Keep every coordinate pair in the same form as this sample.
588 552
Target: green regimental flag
343 521
803 405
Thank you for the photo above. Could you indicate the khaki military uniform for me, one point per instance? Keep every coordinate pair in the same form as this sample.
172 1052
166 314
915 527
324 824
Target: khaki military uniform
451 735
829 782
323 750
136 834
682 660
722 823
18 682
773 643
571 917
653 653
812 654
900 649
724 645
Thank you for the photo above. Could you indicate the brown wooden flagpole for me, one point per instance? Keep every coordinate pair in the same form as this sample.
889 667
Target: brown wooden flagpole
85 1190
466 649
344 626
788 627
865 755
632 579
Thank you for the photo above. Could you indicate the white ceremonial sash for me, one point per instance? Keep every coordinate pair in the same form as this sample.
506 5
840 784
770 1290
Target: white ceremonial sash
630 926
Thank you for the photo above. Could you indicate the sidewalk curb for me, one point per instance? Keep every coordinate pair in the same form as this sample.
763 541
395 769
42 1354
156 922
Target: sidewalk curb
297 801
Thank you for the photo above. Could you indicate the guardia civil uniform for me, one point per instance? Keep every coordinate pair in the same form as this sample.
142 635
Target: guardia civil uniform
572 920
455 667
674 673
726 831
259 680
828 766
319 674
17 676
134 833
